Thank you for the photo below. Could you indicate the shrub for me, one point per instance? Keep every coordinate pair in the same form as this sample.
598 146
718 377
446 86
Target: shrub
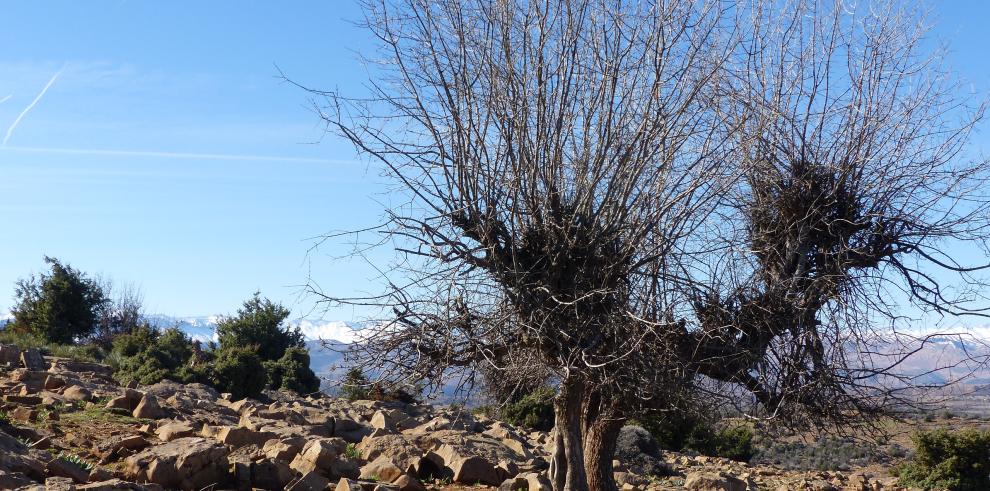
825 454
147 356
292 372
678 432
355 385
956 461
260 323
534 410
240 371
60 306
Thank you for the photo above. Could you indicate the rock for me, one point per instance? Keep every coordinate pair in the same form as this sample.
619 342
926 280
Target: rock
53 382
185 463
238 437
406 482
310 481
59 484
474 470
120 402
514 484
381 469
148 408
10 354
283 450
63 468
32 360
14 480
639 452
390 420
318 455
176 429
77 393
23 399
537 482
403 452
120 445
116 485
24 414
346 484
704 481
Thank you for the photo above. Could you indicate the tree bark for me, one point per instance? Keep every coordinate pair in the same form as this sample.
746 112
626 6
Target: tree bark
568 472
601 436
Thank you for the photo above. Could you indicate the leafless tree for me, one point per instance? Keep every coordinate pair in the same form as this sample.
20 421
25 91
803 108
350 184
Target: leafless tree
645 198
121 312
856 201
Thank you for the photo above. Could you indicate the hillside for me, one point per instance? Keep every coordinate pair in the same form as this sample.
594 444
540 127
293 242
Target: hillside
68 425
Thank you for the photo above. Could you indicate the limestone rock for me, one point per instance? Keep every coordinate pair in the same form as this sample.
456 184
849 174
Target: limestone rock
32 360
77 393
381 469
185 463
239 437
704 481
176 429
148 408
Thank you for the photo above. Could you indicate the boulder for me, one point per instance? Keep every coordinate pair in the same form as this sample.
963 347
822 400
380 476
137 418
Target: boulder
325 456
473 470
389 420
176 429
381 469
63 468
185 463
238 437
148 408
638 451
706 481
77 393
31 359
118 446
52 382
283 450
401 450
10 354
310 481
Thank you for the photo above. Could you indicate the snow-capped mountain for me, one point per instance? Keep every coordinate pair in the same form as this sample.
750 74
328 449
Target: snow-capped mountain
203 328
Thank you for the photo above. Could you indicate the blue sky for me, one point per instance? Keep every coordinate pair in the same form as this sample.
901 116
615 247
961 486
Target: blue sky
167 153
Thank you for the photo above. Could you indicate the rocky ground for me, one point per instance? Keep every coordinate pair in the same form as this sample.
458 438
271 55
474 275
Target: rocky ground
67 425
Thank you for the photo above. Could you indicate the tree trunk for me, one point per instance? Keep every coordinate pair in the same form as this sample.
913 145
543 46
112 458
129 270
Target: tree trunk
567 469
601 435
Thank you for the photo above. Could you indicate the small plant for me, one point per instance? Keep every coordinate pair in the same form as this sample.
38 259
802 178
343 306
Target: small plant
4 417
75 459
352 451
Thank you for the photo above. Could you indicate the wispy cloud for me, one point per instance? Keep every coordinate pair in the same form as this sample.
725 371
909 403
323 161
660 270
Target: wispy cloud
13 126
4 99
177 155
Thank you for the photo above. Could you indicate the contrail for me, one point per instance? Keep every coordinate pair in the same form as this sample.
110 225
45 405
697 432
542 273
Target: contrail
4 99
30 106
178 155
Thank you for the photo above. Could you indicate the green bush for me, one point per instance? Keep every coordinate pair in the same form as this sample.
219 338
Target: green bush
956 461
147 355
292 372
534 410
240 371
678 432
260 323
355 385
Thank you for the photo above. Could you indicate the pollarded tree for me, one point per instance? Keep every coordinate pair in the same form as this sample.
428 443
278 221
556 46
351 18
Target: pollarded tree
556 157
856 204
61 306
643 198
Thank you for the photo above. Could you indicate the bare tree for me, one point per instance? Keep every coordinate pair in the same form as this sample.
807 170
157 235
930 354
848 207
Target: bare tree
121 312
643 197
856 202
